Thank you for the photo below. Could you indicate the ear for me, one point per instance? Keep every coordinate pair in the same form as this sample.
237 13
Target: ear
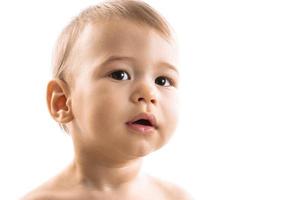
58 101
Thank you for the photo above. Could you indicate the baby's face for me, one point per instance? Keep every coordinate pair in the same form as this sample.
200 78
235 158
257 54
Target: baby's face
120 70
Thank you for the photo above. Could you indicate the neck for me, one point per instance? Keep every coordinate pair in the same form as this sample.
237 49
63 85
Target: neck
105 174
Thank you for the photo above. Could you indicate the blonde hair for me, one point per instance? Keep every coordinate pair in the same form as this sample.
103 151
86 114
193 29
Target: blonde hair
134 10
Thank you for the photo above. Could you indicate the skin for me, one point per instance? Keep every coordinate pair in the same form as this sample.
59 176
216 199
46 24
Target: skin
95 107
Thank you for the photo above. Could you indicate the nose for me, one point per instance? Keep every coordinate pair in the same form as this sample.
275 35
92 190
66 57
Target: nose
144 92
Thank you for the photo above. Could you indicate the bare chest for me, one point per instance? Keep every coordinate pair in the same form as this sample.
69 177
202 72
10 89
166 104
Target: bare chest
138 195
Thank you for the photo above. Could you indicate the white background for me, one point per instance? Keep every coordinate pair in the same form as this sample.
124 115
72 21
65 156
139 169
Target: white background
239 135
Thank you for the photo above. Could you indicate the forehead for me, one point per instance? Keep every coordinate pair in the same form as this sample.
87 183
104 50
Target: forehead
123 38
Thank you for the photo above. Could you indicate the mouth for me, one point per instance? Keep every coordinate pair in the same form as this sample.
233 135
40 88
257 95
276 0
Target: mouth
143 122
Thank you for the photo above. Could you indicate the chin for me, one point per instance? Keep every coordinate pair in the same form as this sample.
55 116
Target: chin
142 151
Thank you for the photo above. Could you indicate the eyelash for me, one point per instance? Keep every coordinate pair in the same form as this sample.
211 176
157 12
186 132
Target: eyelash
171 81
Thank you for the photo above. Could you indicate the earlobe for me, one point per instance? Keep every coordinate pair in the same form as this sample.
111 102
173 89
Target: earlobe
59 102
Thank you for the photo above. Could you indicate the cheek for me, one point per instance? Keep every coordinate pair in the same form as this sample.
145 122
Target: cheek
170 112
97 108
106 109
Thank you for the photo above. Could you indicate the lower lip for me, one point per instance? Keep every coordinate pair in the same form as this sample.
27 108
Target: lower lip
141 128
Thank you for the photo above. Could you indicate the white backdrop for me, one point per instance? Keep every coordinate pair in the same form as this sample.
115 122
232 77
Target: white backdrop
239 134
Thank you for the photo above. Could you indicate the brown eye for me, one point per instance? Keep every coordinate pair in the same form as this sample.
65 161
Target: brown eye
120 75
163 81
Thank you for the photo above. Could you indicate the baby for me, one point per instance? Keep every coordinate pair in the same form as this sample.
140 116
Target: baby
115 91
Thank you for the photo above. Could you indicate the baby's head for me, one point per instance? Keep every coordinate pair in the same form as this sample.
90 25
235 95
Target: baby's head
115 80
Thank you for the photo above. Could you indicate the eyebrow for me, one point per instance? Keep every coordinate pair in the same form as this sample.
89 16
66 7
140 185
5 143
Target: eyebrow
117 58
131 59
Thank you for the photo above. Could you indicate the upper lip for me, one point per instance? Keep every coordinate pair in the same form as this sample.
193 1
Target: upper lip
147 116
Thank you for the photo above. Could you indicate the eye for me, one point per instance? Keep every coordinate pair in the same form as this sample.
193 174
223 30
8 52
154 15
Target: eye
120 75
163 81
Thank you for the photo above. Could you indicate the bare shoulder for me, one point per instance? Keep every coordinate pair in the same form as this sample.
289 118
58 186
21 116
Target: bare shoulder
40 194
173 191
45 192
49 190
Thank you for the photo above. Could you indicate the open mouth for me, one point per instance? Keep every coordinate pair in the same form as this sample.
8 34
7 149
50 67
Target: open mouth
143 122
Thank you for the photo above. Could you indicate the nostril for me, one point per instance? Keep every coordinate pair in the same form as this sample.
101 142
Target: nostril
143 99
